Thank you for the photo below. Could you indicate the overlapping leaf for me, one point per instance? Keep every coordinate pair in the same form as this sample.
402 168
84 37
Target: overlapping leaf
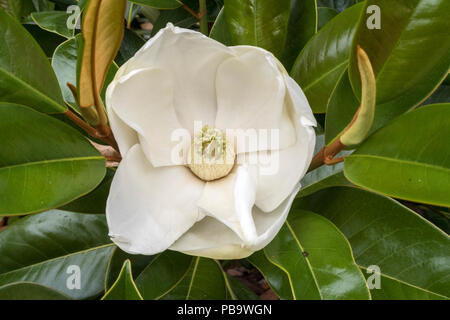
44 163
41 249
412 254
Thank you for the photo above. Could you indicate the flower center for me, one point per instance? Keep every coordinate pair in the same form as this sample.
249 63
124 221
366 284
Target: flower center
211 156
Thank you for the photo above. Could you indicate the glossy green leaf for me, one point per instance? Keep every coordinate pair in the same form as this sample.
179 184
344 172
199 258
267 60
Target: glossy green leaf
341 108
325 58
302 26
324 176
131 43
275 277
49 247
204 281
94 201
54 21
258 23
408 159
124 288
48 41
408 249
29 291
409 53
338 5
18 9
118 258
219 30
237 290
159 4
163 274
44 163
178 17
317 259
64 64
392 289
26 76
324 16
441 95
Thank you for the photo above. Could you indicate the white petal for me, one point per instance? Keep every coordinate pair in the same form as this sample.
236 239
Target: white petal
251 93
230 200
149 208
125 136
143 99
212 239
192 60
280 170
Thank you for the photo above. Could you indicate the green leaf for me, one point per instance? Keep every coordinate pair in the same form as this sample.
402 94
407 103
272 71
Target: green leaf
341 108
325 15
204 281
44 163
441 95
44 249
131 43
26 76
275 277
302 26
94 201
325 58
237 290
324 176
317 259
163 274
48 41
29 291
54 21
118 258
219 30
18 9
409 250
409 53
338 5
408 159
64 64
178 17
159 4
258 23
124 288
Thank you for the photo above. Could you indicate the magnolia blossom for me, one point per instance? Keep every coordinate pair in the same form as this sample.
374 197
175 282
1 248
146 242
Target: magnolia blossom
183 84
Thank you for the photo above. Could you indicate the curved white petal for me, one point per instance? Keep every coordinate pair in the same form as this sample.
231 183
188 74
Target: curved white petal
250 96
280 170
149 208
212 239
192 60
143 99
125 136
230 200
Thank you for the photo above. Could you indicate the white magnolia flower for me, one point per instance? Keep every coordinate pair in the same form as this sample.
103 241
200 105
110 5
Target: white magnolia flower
180 77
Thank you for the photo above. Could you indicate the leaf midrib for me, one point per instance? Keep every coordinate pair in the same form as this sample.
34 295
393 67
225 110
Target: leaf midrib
37 163
411 162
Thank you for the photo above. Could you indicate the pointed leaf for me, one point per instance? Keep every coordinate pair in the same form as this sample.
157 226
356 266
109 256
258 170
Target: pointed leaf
204 281
163 274
124 288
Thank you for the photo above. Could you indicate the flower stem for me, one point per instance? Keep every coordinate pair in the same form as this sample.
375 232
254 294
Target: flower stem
203 18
